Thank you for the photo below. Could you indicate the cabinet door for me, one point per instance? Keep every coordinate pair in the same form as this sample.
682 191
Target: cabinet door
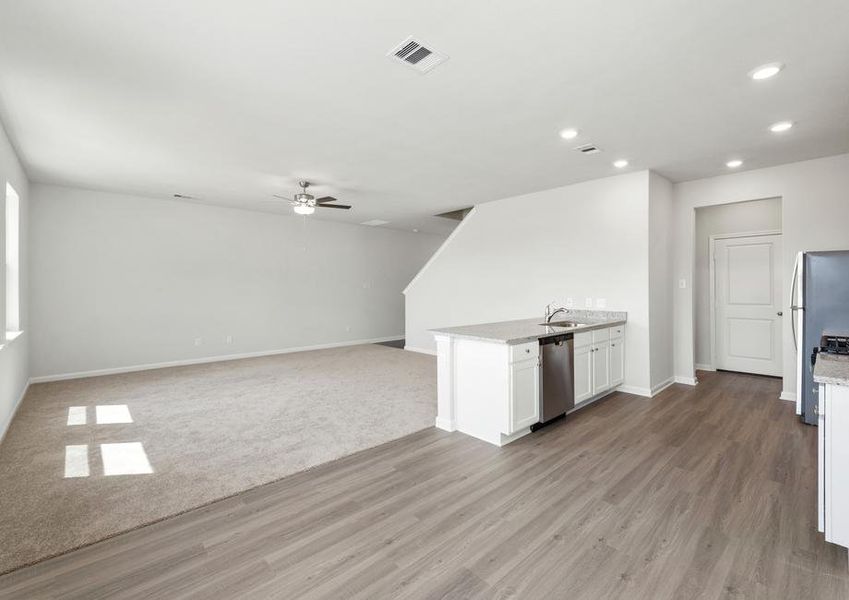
836 476
524 394
601 367
583 373
617 361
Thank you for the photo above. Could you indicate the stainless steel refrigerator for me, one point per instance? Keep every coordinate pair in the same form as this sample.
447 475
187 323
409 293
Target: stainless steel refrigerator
820 304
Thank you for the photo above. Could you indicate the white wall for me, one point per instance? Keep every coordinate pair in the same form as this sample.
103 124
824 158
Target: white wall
660 280
14 355
511 257
740 217
815 214
120 281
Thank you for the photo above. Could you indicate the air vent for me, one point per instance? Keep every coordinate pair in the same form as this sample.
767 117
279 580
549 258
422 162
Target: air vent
374 222
588 149
417 55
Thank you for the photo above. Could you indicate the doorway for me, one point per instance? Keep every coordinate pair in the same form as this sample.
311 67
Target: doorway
733 221
746 302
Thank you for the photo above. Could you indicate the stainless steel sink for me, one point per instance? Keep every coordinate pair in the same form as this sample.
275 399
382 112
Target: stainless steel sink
561 324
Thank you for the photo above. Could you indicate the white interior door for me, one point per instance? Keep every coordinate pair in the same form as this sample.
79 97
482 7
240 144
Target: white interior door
747 304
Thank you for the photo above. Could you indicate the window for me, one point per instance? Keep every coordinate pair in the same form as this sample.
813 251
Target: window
13 256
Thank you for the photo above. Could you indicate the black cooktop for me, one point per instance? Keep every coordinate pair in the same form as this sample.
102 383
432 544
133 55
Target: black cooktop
834 344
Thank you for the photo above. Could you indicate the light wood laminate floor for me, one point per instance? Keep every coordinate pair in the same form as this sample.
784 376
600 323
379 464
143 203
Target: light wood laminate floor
705 492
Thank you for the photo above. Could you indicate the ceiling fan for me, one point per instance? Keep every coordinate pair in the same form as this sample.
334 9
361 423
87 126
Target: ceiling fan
305 203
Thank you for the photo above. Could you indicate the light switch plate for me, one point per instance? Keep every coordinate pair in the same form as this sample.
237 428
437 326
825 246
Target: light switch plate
682 283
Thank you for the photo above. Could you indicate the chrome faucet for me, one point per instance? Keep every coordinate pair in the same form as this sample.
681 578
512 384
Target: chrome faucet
549 314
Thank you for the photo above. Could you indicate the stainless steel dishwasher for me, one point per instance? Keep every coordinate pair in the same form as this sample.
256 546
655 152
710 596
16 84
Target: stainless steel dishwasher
556 382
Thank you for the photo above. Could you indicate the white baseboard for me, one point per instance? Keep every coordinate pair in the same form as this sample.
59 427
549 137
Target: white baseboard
420 350
701 367
651 392
633 389
791 396
18 402
662 386
206 359
445 424
686 380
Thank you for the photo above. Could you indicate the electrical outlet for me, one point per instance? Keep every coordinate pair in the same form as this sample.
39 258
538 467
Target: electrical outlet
198 341
601 303
228 339
588 302
570 302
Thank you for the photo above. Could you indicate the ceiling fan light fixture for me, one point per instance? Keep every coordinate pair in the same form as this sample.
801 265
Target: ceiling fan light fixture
304 209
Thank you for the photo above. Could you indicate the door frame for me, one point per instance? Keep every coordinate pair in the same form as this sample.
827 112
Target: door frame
712 278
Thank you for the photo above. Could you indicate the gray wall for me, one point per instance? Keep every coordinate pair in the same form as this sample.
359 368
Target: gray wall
122 281
14 355
660 280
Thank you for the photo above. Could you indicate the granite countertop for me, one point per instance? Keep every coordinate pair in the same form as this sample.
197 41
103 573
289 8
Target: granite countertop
832 368
527 330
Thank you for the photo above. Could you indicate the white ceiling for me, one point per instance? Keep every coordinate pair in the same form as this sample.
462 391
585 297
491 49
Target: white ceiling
233 101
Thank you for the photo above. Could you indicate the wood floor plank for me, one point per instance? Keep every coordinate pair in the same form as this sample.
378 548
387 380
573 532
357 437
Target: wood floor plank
705 492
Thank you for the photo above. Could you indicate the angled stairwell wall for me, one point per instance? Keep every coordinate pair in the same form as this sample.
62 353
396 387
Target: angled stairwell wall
510 257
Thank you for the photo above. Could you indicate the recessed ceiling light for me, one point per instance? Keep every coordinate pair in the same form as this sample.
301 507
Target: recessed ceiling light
780 126
620 164
766 71
569 134
733 164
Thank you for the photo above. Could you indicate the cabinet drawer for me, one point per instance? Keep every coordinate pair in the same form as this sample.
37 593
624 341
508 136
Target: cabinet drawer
524 351
583 339
600 335
616 332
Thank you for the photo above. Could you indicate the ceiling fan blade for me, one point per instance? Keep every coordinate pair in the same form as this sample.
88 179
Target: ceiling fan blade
282 197
344 206
324 199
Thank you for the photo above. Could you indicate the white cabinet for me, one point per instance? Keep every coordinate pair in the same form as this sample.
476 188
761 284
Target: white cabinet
833 479
583 373
599 362
523 405
601 367
491 390
617 362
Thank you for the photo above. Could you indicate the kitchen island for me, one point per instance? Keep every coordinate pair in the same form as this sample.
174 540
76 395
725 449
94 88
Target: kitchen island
488 375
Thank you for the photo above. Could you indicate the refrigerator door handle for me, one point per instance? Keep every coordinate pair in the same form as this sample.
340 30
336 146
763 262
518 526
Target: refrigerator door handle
793 299
793 326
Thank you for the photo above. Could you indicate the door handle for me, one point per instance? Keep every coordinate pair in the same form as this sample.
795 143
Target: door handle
780 313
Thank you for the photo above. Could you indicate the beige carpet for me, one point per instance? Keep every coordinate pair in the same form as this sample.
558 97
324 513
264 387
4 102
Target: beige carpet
205 431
